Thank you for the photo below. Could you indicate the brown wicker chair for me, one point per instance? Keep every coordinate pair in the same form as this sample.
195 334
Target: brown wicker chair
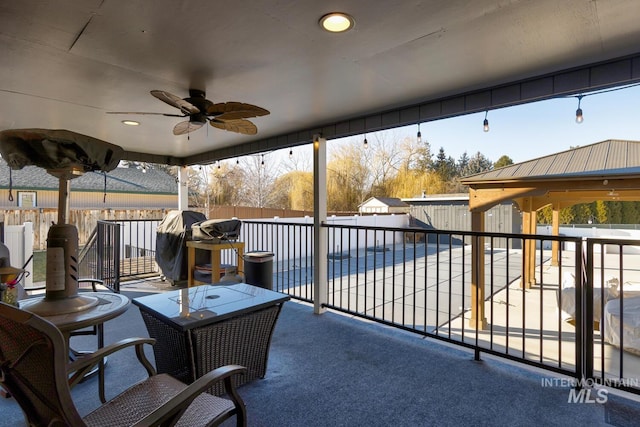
34 368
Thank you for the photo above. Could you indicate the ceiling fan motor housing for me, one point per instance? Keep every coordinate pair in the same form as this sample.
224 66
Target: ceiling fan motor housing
198 118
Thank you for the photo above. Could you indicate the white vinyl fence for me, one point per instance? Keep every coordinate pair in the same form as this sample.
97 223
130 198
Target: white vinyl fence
19 240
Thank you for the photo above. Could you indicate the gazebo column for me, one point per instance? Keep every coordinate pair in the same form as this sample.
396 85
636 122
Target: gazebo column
478 318
529 245
555 231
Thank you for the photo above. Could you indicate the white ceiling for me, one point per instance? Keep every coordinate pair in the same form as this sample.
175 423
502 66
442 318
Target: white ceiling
65 63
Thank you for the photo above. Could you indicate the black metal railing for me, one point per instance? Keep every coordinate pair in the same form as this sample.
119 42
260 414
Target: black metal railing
100 256
119 249
292 246
531 308
613 287
422 281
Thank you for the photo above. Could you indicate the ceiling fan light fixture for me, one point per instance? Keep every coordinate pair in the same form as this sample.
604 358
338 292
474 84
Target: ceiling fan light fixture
337 22
130 123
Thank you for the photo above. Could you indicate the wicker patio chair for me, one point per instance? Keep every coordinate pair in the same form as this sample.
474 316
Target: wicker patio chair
34 368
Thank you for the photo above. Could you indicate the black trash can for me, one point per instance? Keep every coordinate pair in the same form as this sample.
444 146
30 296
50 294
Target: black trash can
258 269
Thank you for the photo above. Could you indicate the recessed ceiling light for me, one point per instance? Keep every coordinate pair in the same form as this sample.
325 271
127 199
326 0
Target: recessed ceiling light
337 22
130 122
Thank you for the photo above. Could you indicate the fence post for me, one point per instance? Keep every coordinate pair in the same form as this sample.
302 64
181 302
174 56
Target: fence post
100 251
116 258
28 253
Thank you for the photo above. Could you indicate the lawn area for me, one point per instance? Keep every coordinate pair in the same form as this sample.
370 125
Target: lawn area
39 266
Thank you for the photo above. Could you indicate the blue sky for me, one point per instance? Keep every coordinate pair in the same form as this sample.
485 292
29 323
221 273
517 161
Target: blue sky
538 129
526 131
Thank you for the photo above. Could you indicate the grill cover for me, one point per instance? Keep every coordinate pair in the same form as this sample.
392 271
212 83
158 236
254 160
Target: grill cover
171 243
216 230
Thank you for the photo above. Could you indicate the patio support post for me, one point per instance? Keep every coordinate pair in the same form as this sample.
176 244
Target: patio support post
478 319
555 231
320 265
183 191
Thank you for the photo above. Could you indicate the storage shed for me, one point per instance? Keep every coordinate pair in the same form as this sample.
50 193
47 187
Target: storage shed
385 205
451 212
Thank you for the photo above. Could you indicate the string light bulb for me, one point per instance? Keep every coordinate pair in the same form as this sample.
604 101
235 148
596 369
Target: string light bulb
365 143
485 124
579 117
262 161
291 153
419 135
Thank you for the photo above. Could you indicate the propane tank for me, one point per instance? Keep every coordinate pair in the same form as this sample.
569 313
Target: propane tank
62 261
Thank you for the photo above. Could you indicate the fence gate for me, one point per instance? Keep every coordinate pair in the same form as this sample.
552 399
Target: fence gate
100 258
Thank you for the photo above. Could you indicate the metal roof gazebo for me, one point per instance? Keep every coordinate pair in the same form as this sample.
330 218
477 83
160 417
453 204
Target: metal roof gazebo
607 170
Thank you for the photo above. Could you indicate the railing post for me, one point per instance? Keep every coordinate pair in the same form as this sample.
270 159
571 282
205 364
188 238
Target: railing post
100 251
585 337
116 258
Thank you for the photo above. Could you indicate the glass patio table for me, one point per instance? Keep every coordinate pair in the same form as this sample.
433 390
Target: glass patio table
202 328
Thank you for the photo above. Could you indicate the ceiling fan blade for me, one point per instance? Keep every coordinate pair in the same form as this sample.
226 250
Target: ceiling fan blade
235 110
175 101
147 114
244 127
186 127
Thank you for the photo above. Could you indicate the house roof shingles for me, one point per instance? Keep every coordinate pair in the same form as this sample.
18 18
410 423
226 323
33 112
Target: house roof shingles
119 180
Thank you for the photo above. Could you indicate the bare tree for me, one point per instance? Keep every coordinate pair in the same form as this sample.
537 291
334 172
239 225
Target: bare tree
347 177
260 176
383 159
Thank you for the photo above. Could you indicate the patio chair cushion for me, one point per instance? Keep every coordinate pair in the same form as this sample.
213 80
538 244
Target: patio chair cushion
136 402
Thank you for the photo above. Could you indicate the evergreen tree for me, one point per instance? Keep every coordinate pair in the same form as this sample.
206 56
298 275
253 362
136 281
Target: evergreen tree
463 164
477 164
615 212
502 162
601 212
629 213
444 166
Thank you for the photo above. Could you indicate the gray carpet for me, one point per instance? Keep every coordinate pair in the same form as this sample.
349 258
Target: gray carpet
333 370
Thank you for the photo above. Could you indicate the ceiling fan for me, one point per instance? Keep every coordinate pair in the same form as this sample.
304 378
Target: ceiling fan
230 116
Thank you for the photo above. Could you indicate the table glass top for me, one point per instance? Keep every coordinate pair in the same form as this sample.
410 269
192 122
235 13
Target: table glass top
109 305
204 304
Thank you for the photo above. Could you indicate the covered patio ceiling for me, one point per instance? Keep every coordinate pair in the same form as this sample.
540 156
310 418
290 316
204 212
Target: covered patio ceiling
67 63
